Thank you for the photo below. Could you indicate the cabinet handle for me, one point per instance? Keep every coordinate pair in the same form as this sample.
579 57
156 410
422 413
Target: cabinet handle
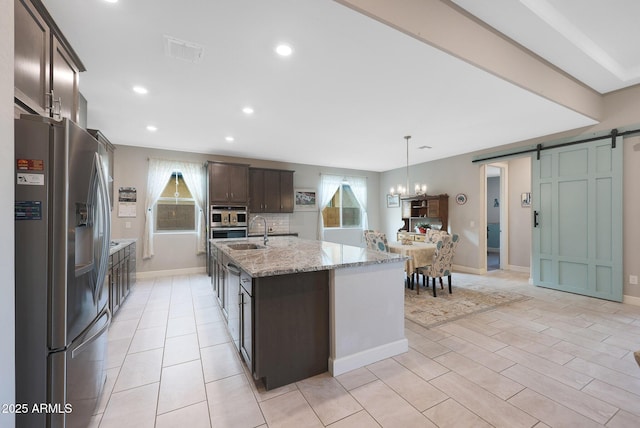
536 223
232 194
57 113
51 102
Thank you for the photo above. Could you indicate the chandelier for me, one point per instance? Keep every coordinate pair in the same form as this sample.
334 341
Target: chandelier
419 189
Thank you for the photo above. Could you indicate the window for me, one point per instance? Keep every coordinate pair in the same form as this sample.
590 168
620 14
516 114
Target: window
176 208
343 210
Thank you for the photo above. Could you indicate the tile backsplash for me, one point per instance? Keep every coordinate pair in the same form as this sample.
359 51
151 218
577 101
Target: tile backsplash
276 223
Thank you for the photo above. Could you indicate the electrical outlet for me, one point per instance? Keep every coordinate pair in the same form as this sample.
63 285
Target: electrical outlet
127 225
633 279
472 223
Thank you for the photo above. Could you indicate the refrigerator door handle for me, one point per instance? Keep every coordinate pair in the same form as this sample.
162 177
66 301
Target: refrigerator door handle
96 335
106 218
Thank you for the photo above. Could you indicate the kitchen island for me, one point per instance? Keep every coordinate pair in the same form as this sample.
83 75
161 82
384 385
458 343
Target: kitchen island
306 307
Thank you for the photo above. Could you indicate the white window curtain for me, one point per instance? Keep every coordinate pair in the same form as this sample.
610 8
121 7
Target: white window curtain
160 171
359 187
328 186
194 175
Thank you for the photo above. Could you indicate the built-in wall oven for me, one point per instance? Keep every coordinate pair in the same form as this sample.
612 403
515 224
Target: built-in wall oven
228 222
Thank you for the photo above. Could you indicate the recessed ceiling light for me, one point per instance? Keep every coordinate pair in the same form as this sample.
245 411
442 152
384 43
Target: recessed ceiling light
152 128
247 110
140 90
229 139
284 50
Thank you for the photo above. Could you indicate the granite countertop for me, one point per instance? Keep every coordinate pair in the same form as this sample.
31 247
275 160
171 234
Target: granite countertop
253 235
285 255
119 244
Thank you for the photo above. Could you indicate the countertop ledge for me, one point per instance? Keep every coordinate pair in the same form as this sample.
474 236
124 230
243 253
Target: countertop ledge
286 255
121 243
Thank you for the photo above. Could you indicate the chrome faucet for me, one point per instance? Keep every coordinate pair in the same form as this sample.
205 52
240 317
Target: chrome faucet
266 239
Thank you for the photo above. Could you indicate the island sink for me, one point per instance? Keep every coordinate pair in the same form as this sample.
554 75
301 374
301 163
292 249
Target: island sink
245 246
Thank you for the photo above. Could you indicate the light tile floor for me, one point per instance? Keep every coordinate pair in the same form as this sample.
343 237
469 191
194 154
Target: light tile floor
557 360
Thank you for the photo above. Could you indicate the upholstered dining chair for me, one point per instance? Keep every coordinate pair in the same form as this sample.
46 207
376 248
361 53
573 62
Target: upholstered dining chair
442 261
376 240
432 236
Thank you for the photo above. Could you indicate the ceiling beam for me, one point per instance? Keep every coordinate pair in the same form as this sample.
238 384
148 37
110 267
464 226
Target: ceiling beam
445 26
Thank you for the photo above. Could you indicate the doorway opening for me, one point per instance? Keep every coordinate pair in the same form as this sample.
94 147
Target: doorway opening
496 216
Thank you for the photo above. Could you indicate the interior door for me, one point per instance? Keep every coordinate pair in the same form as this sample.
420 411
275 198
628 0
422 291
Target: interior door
577 225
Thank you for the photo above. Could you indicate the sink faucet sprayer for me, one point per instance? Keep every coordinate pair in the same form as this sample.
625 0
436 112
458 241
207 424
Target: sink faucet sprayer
265 227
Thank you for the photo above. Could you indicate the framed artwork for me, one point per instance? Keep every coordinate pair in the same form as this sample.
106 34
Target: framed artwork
393 201
305 200
525 199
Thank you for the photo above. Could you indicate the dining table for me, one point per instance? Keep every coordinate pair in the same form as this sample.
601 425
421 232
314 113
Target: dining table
420 254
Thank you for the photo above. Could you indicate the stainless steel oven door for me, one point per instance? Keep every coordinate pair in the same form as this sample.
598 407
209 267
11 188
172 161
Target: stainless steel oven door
241 218
216 218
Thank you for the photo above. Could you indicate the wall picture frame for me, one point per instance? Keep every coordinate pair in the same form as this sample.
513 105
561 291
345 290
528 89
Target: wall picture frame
305 200
525 199
393 201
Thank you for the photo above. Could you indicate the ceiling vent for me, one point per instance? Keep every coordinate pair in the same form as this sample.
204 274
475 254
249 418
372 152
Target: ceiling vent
183 50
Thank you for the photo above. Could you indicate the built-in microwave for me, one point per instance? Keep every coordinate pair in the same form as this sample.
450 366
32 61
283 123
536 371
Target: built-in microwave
228 232
228 217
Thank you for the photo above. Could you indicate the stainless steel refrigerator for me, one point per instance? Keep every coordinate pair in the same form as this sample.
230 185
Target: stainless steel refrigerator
62 228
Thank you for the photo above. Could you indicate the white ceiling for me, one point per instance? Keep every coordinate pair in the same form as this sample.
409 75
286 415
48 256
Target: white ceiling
350 92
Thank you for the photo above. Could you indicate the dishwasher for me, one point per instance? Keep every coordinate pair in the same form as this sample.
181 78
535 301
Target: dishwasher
246 324
233 302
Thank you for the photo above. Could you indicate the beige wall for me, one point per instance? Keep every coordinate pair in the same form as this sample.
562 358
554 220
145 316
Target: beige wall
7 297
177 251
519 217
460 175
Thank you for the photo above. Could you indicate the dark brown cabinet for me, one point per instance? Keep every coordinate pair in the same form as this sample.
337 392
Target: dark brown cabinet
46 67
228 183
271 191
121 275
290 327
32 69
64 82
435 207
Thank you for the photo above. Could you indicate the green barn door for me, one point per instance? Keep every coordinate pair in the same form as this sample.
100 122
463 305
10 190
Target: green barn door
577 225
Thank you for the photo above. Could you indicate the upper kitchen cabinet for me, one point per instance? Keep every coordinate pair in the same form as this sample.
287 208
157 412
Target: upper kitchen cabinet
271 191
46 68
64 82
228 183
106 153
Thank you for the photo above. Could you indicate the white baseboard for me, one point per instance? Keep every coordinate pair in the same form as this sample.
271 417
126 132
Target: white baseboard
482 271
467 269
632 300
363 358
170 272
523 269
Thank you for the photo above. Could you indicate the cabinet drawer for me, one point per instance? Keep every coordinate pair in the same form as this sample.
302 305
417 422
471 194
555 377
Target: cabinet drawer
419 238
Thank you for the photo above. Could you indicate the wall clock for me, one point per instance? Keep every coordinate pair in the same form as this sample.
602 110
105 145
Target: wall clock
461 198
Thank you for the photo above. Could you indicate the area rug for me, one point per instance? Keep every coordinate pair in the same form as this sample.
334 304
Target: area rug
429 311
